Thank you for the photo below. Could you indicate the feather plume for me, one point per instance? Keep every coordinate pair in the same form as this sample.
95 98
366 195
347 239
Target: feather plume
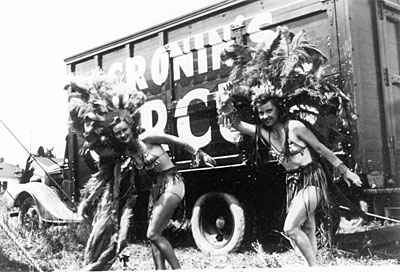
292 68
95 101
249 74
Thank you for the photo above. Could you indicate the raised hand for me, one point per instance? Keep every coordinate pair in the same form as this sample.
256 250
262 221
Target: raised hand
223 99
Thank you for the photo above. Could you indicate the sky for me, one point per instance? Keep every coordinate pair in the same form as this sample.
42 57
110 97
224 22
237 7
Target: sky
36 37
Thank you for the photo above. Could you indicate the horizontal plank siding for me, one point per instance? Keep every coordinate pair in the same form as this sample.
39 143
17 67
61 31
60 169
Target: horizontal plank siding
343 30
117 55
86 67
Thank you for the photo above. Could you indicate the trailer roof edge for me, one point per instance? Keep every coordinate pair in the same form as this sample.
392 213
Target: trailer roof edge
156 29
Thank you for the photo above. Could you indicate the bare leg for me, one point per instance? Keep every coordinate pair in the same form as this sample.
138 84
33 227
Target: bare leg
309 228
295 219
162 213
159 260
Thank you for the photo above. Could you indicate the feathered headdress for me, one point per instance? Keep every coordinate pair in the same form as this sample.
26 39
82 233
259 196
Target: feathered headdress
290 68
96 101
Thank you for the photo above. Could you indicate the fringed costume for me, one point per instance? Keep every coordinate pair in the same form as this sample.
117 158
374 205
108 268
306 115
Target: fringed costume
163 182
311 174
109 196
290 70
116 197
97 106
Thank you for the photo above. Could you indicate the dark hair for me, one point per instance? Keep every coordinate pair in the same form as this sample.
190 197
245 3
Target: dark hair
276 100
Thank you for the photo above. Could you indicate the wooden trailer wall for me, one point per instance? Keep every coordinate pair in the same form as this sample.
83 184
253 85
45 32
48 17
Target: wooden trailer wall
181 58
372 28
360 38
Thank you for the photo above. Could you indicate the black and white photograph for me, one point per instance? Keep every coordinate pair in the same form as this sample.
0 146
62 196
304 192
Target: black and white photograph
200 135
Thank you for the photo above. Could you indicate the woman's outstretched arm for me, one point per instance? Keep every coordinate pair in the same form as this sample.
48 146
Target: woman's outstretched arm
163 138
306 135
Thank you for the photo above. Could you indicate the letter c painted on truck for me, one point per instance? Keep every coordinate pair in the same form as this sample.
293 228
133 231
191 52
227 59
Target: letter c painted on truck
183 120
159 66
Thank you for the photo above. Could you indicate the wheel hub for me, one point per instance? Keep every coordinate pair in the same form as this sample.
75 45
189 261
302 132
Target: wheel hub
220 222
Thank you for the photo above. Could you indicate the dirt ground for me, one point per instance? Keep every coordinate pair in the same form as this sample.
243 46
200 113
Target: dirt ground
69 257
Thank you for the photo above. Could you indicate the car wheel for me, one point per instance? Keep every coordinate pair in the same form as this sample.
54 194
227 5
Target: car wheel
218 223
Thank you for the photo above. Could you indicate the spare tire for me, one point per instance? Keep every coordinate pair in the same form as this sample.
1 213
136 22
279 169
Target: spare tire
218 223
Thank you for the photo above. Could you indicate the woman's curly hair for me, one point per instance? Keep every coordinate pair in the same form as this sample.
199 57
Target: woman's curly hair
277 100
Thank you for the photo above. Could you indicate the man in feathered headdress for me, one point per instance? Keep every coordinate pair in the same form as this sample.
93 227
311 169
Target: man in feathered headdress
93 102
110 119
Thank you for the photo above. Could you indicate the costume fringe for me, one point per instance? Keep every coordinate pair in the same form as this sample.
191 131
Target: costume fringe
112 218
312 174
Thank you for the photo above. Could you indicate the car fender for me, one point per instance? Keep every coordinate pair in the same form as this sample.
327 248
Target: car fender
50 207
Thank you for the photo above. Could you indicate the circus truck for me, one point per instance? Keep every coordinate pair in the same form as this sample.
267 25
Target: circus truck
177 65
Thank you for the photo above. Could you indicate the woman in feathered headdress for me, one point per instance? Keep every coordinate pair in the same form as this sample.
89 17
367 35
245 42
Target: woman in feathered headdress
290 98
110 119
168 187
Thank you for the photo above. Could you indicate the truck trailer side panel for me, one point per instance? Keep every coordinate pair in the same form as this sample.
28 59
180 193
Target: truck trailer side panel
177 65
388 26
183 62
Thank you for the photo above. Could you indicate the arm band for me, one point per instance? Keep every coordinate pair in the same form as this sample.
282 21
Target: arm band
336 163
341 168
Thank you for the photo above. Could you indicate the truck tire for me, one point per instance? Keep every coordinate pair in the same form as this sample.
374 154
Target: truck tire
28 216
218 223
